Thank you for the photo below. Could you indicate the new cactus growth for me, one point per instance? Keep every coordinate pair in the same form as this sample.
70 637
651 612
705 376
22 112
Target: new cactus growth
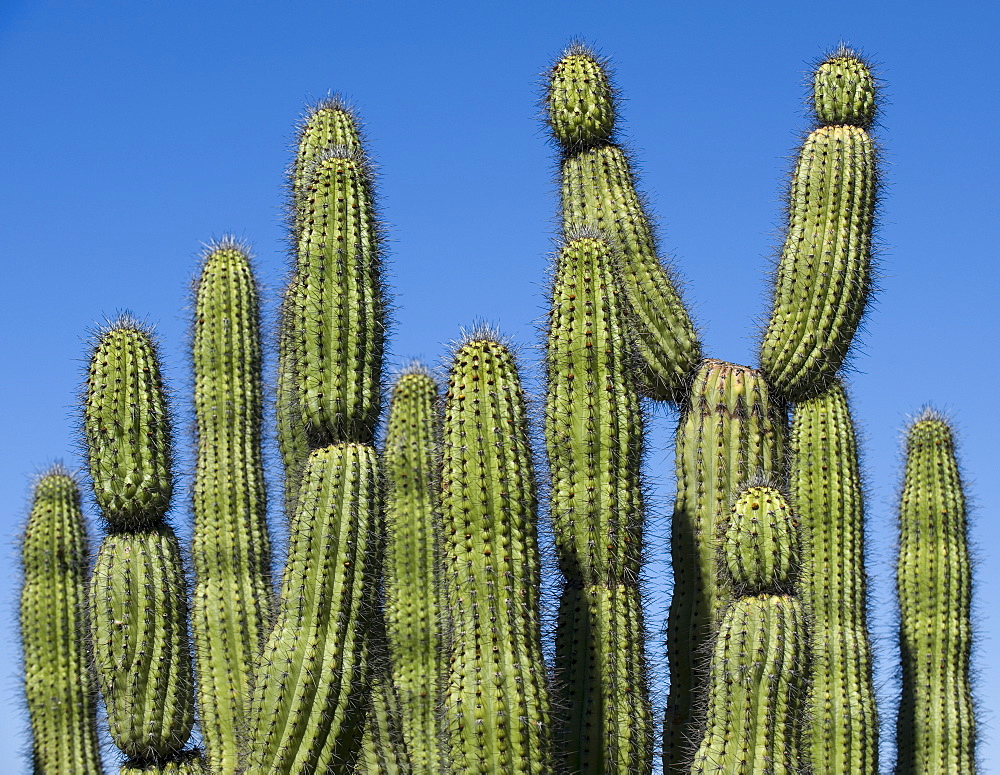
496 708
598 191
137 594
936 727
61 702
757 672
231 550
825 485
730 432
824 276
414 609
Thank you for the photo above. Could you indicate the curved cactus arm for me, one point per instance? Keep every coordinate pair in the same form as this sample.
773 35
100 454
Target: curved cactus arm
936 725
62 701
729 432
230 548
497 707
137 595
825 486
823 279
598 190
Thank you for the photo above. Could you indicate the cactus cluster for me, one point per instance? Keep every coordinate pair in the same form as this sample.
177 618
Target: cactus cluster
408 633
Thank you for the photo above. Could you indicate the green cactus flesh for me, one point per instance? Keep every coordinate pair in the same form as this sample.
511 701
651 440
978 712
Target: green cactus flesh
604 720
293 445
140 640
329 123
496 707
383 749
338 313
230 549
935 729
580 99
825 485
413 605
598 191
311 688
729 433
593 423
844 90
760 544
823 278
187 764
61 704
127 427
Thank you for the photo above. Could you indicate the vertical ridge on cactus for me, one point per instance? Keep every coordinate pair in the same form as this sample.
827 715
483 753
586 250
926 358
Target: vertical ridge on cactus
138 597
230 548
497 707
825 485
414 609
757 676
62 703
729 433
935 728
598 191
823 279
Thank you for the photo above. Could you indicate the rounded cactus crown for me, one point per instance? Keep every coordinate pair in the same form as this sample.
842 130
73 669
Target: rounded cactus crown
844 90
760 545
580 99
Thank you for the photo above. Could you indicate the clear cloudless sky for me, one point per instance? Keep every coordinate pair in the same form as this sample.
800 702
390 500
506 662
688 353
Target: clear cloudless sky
131 133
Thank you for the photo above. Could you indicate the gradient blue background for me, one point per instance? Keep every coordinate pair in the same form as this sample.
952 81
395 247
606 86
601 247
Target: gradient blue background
133 132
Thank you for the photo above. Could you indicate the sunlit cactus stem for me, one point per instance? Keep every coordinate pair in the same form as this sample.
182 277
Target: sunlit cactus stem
598 191
823 280
729 432
936 725
826 488
138 598
496 708
230 549
757 673
62 702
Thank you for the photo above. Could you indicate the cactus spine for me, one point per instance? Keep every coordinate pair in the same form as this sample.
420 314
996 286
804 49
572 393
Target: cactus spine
935 729
729 432
137 595
825 485
231 548
594 439
414 609
496 707
598 191
757 672
61 702
824 276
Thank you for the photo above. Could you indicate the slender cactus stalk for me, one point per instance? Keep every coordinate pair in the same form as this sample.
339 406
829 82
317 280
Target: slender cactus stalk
936 726
497 709
62 700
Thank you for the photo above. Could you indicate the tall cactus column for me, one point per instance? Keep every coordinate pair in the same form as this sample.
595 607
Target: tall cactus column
593 433
729 433
826 488
935 729
61 701
497 707
137 595
231 549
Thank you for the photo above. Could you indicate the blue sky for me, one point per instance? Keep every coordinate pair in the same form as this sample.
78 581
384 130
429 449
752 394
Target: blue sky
135 132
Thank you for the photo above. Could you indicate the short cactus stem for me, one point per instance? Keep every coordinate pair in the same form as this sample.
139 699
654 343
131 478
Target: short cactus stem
496 708
311 690
936 727
729 433
414 608
598 191
826 487
757 675
823 280
61 701
330 123
230 548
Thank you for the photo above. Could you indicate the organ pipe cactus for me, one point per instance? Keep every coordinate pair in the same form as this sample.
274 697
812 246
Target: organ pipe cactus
936 727
61 700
